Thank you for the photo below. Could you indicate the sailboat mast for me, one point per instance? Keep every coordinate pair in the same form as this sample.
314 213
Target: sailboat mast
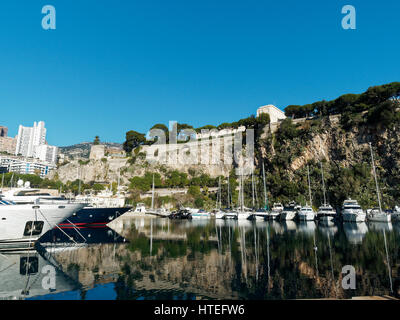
265 188
309 184
152 195
219 191
323 184
376 180
252 188
229 203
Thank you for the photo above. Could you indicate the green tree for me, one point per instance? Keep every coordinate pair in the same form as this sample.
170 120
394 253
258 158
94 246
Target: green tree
133 140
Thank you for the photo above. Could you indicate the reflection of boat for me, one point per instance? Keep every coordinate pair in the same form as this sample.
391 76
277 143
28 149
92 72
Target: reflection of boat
22 276
83 235
328 227
289 225
352 212
20 225
307 227
355 232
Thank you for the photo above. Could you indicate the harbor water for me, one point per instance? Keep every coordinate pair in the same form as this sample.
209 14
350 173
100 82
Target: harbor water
158 258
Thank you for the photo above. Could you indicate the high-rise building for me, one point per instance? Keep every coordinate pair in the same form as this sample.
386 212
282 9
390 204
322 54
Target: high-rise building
29 138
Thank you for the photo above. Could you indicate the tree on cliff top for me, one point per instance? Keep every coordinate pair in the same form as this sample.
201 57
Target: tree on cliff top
96 140
133 140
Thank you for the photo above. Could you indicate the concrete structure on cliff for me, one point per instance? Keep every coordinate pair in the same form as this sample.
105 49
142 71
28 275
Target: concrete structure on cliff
97 152
275 114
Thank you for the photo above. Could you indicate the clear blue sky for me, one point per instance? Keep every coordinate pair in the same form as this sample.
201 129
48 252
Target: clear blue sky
113 66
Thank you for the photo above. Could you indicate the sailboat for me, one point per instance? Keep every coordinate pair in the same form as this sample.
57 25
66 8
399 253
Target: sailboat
306 212
263 213
325 212
377 215
219 214
242 214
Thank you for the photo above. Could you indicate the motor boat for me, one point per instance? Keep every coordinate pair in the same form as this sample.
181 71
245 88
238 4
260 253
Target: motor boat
376 215
352 212
306 213
89 215
200 214
396 214
23 224
326 213
276 210
289 212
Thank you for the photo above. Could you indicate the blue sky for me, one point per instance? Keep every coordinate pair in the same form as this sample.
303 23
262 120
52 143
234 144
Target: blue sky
114 66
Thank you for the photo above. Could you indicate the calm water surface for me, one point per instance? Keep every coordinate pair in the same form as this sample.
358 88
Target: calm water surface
155 258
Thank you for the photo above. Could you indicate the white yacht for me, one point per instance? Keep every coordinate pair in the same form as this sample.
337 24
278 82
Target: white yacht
219 214
289 213
140 208
396 214
24 194
352 212
276 210
243 215
306 213
200 214
376 215
23 224
326 213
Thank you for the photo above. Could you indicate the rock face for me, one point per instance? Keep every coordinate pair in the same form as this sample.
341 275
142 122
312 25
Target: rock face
106 170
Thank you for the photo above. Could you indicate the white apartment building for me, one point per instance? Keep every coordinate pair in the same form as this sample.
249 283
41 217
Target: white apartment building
30 137
46 153
31 143
275 114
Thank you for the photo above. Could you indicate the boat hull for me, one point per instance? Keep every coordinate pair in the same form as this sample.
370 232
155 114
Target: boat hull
21 225
354 217
93 217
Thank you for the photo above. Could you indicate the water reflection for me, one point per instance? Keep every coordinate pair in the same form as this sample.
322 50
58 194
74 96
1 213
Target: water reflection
154 258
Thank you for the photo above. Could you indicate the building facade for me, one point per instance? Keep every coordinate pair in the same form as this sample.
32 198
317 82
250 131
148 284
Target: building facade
26 166
46 153
29 138
275 114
